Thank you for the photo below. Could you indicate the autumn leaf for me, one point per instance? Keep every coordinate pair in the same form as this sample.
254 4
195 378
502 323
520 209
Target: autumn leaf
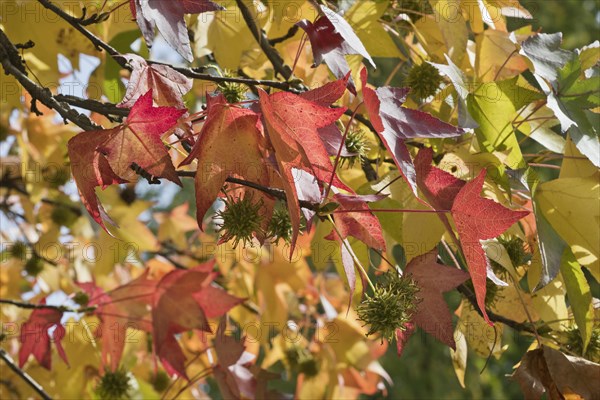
292 124
439 187
362 223
124 307
167 85
138 141
331 39
395 124
168 17
231 143
477 219
104 157
36 340
432 315
90 170
184 300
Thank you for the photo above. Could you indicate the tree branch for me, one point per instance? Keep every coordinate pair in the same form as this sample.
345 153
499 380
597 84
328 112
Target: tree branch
277 193
24 375
271 53
189 72
44 95
31 306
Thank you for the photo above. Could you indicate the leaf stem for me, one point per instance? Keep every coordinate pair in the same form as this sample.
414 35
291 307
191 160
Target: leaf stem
356 260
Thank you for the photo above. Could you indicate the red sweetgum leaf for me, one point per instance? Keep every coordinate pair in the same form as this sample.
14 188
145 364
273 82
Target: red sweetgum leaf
329 93
167 85
104 157
326 95
36 340
138 141
432 314
395 124
179 306
126 306
90 169
230 143
361 225
439 187
292 124
331 39
479 219
168 17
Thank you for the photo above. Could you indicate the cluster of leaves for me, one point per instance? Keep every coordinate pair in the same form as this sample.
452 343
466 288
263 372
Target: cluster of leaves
301 196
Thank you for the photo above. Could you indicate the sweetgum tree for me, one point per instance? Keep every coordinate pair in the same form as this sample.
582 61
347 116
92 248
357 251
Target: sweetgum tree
246 199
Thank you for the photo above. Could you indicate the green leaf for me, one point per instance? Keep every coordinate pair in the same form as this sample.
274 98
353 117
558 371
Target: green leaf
580 296
494 106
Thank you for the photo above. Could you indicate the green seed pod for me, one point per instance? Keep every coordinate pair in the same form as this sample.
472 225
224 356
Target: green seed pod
63 216
280 226
160 381
423 80
356 143
241 220
19 250
114 386
81 298
391 306
34 265
233 92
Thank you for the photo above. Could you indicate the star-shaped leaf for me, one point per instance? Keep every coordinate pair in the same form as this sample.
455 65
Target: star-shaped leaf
395 124
476 219
432 315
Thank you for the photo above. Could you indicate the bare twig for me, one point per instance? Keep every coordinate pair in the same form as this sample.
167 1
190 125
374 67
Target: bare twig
44 95
24 375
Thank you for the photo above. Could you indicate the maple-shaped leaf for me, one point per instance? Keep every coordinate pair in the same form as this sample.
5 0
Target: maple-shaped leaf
36 340
105 157
439 187
361 224
326 95
395 123
432 313
331 38
476 219
90 169
292 124
138 141
230 144
184 300
124 307
168 17
167 85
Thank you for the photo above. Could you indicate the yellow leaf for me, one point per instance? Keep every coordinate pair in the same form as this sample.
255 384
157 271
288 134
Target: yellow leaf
364 17
571 207
459 357
575 164
452 26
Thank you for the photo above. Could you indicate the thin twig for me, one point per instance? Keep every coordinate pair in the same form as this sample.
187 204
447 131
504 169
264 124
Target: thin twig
24 375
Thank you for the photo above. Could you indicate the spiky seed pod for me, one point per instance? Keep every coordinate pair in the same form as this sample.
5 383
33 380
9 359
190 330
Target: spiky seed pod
233 92
515 247
63 216
391 306
571 338
423 80
301 360
19 250
241 219
81 298
280 226
356 143
114 386
160 381
34 265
